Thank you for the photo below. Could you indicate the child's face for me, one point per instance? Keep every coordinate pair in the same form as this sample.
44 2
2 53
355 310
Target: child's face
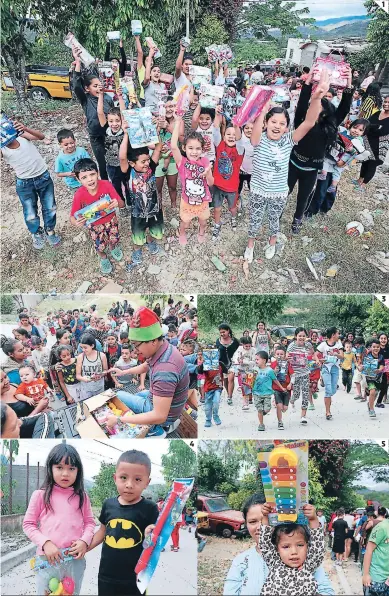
134 355
155 74
247 347
292 549
17 335
111 340
126 355
65 356
280 354
26 351
375 348
261 362
347 347
193 149
205 121
68 145
141 164
284 341
314 337
114 121
195 101
64 474
185 66
86 348
248 129
300 338
26 375
89 179
356 95
357 131
230 137
186 349
171 334
131 480
276 126
93 88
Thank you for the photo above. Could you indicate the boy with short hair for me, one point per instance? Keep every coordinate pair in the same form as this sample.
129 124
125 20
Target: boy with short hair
125 521
126 362
348 363
263 386
283 372
33 183
67 157
172 335
372 366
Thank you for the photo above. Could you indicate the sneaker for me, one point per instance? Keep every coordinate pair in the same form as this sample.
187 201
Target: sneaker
156 432
261 427
233 223
303 420
249 254
105 266
372 414
53 239
358 397
216 232
270 251
136 257
216 419
229 401
245 408
281 425
207 424
153 248
117 253
311 407
328 416
331 189
297 224
315 395
39 240
380 405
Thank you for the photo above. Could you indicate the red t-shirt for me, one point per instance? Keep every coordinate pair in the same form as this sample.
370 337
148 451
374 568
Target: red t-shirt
82 198
283 374
35 389
227 167
213 380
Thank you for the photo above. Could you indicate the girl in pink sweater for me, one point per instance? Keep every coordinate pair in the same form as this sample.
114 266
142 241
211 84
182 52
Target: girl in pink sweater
60 516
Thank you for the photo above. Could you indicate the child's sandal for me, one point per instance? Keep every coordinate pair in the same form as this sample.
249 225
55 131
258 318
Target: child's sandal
105 266
117 253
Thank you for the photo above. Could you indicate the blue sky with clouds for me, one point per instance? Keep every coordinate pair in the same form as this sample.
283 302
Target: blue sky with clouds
333 8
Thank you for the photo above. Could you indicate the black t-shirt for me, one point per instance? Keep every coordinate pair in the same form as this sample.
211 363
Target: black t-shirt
122 545
340 528
226 352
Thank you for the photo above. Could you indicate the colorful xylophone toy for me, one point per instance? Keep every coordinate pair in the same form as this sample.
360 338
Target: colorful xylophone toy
279 478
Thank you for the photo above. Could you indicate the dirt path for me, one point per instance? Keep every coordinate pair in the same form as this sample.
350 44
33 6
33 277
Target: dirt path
218 554
176 269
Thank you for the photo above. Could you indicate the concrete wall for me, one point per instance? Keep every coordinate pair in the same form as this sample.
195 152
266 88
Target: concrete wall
12 523
19 477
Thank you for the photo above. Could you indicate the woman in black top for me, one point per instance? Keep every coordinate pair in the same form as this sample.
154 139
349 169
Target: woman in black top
157 310
308 155
377 142
227 345
122 60
384 351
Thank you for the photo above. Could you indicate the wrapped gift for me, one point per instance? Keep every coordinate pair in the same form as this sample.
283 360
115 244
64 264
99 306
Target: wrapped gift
210 360
256 100
151 43
8 131
127 86
71 42
337 70
210 95
141 130
199 75
113 35
136 27
109 76
96 210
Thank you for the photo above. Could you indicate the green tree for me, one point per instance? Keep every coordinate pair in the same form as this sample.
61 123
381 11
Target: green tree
259 17
348 312
104 486
179 462
378 317
227 11
368 458
249 51
211 30
6 304
213 473
238 310
316 489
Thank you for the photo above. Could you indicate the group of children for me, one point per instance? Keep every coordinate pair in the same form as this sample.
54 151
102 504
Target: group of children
212 156
282 371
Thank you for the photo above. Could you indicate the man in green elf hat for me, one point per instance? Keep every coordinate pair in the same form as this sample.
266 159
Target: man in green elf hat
161 407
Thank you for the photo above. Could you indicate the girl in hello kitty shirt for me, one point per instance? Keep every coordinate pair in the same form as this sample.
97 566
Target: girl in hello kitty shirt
196 177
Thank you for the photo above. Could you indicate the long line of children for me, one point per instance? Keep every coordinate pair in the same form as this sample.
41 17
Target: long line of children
212 157
289 369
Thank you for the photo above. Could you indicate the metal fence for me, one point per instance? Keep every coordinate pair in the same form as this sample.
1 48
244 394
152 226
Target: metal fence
17 484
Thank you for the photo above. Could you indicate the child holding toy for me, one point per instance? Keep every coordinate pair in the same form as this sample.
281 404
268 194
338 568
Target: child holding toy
67 375
297 355
269 182
244 363
196 177
292 553
33 184
67 157
372 364
104 232
60 516
263 386
212 388
125 521
202 122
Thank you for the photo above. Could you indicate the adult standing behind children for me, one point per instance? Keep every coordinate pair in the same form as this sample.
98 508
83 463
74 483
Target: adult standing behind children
261 338
86 90
227 345
33 184
331 351
181 75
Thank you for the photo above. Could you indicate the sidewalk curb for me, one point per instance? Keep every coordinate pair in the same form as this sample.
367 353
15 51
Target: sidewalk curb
16 557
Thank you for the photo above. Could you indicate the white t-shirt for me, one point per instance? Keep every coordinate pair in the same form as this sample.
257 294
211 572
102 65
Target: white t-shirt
322 520
184 327
25 159
181 81
330 353
123 327
247 163
166 311
257 77
271 166
350 520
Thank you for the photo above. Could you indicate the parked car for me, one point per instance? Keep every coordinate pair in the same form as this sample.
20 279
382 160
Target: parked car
281 331
44 82
222 520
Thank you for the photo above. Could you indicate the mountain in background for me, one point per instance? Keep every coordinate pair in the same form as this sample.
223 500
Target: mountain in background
340 27
339 21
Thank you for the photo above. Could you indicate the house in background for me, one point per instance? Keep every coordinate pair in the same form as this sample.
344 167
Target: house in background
304 52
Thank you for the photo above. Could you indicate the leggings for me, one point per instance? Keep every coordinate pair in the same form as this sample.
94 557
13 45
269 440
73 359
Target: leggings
384 388
368 170
307 181
243 176
347 377
301 385
257 208
98 149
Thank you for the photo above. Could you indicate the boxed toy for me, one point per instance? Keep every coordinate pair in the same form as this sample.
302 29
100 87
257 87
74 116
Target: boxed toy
200 75
113 35
256 100
136 27
96 210
8 131
109 76
210 359
141 130
210 95
86 58
337 70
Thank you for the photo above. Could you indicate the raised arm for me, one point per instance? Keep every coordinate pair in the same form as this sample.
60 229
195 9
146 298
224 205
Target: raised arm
196 116
123 151
100 107
179 61
28 133
345 103
149 60
78 87
139 53
123 59
174 140
107 51
303 102
256 135
315 107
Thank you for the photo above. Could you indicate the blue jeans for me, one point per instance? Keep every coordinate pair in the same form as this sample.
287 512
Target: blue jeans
211 404
139 403
29 191
330 377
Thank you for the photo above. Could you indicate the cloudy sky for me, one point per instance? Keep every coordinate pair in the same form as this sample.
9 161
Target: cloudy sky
334 8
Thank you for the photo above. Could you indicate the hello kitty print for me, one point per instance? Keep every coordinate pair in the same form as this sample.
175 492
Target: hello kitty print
195 189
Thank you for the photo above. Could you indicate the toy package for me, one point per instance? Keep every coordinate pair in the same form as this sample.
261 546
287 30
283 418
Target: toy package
86 58
151 43
136 27
210 95
256 100
127 86
109 76
370 366
141 130
185 42
113 35
386 366
96 210
200 75
211 360
122 430
219 52
182 100
170 515
297 360
283 468
248 378
336 70
282 370
281 93
60 577
8 131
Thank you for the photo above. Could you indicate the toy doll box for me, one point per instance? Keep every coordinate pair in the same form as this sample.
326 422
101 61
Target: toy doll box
89 428
95 211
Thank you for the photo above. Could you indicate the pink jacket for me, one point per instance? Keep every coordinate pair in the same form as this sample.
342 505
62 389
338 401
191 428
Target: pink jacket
66 523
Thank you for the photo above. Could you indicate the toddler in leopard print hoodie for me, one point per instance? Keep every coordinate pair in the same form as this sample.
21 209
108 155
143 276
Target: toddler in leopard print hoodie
292 553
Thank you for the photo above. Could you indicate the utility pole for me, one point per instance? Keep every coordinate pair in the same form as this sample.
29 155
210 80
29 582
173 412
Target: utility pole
187 17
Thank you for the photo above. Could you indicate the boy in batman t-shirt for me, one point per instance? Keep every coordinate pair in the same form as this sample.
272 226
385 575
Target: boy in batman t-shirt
125 522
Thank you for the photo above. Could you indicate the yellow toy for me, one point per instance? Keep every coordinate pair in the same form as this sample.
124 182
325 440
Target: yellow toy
283 472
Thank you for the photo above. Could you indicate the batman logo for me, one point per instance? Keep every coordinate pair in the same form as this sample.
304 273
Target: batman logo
122 533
